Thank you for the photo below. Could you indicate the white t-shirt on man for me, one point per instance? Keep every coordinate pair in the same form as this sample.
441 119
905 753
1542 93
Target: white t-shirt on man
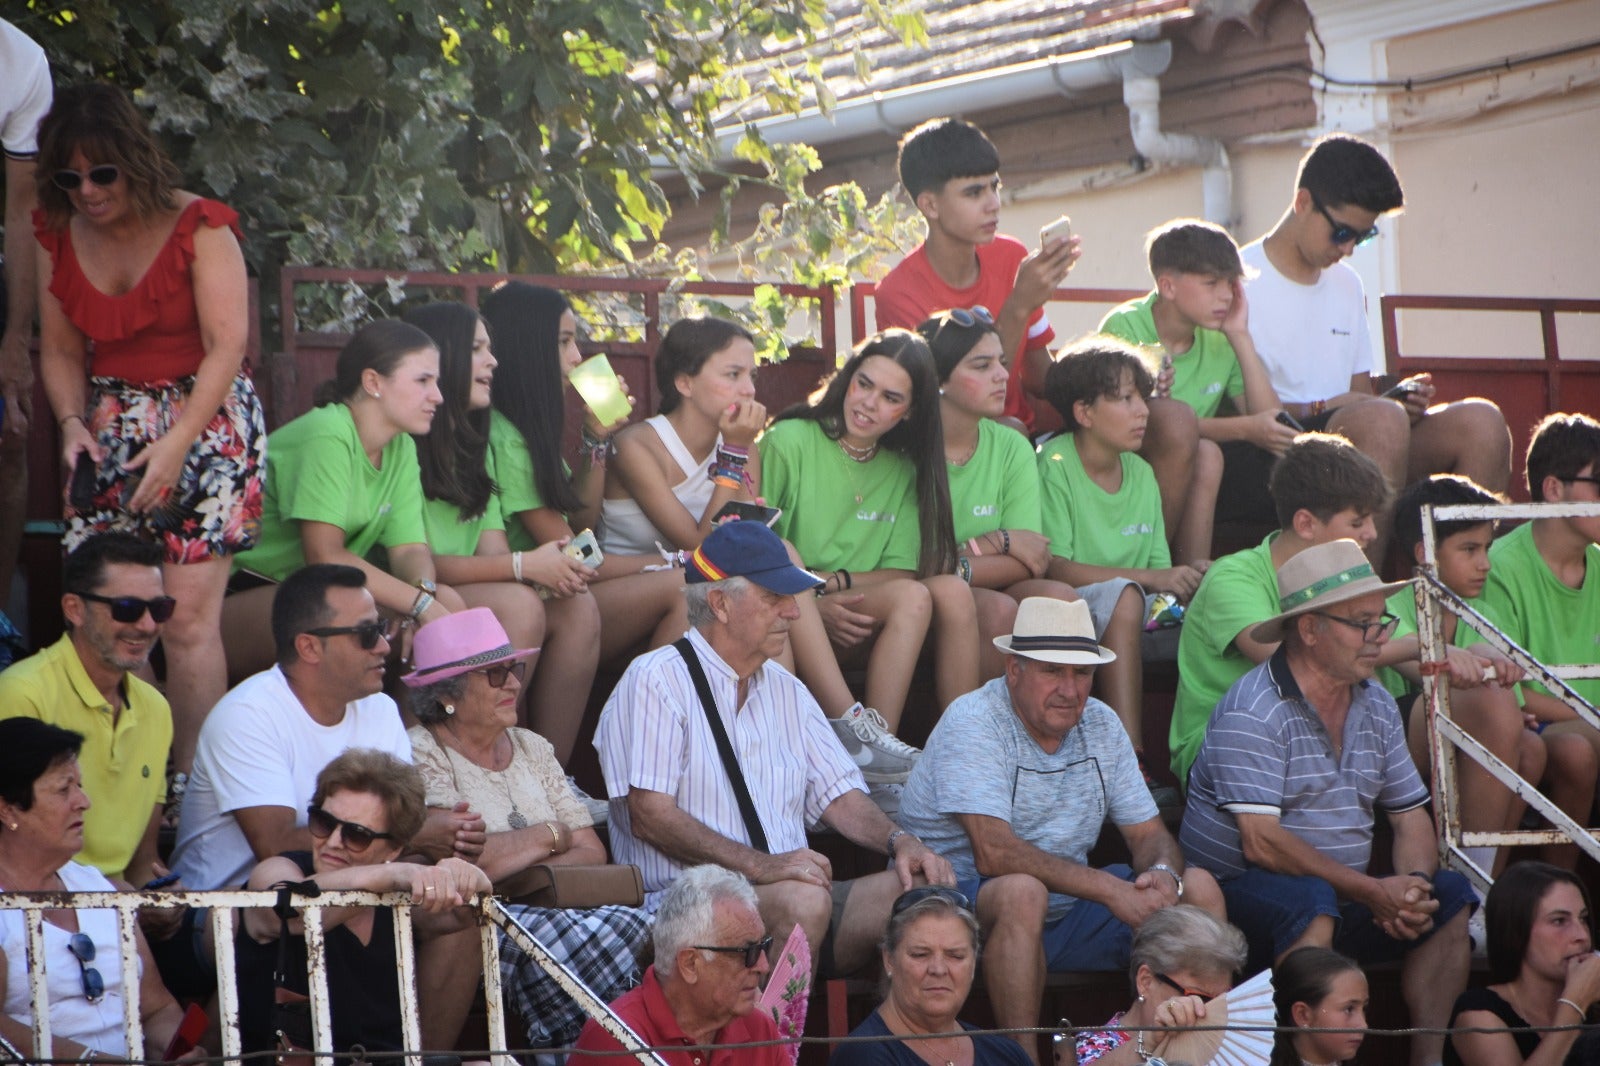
1312 338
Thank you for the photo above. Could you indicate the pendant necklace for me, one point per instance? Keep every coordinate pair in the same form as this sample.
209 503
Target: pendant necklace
516 819
857 457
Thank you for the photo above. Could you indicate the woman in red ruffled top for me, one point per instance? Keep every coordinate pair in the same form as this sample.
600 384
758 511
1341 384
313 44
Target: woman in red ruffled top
143 309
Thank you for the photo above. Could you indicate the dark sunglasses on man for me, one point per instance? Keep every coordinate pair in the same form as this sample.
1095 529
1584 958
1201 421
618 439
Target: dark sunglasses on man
367 633
128 609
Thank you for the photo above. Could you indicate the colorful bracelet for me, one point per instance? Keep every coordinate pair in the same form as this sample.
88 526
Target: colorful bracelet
1005 542
732 455
964 569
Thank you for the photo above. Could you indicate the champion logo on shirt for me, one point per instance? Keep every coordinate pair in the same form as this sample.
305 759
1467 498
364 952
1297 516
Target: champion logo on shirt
875 516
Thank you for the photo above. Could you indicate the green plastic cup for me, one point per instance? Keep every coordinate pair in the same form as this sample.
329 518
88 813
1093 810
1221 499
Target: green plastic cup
597 383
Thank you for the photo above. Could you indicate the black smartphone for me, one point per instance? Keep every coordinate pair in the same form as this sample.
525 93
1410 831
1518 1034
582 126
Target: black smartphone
736 511
1287 419
81 492
1400 389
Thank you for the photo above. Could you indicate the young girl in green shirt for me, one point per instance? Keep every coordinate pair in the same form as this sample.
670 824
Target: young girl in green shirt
466 527
866 504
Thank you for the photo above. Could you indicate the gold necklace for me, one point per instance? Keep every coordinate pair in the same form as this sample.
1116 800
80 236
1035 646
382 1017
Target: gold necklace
860 455
851 467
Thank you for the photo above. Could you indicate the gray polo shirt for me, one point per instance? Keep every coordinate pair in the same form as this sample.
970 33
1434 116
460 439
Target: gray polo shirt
1267 752
982 760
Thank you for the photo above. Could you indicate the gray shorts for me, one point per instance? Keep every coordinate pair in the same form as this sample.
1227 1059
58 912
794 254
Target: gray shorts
1102 599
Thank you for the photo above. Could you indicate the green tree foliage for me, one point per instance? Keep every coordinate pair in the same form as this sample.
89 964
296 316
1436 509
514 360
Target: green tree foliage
515 135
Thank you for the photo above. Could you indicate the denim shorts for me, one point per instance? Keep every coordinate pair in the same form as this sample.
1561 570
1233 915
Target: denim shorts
1087 937
1273 911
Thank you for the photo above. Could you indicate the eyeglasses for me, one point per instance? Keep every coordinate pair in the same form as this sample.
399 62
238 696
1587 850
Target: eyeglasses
1180 989
752 951
1343 233
357 837
496 675
367 634
1371 632
82 948
132 608
68 180
912 897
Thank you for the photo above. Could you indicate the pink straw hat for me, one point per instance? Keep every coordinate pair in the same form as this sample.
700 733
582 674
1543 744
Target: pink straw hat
460 643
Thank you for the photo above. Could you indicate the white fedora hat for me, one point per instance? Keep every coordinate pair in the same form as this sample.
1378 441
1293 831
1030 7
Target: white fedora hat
1055 631
1320 577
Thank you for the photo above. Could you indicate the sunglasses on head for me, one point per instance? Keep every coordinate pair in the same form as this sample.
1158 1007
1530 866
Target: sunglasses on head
68 180
356 836
132 608
82 948
1342 232
915 896
752 951
496 675
367 634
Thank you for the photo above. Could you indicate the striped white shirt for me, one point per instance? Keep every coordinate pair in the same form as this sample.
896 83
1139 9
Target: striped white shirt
654 735
1267 752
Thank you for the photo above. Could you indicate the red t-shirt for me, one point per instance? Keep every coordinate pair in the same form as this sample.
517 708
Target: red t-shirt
912 291
152 331
647 1013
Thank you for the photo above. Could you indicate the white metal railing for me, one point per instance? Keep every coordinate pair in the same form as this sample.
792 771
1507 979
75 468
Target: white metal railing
1446 737
224 907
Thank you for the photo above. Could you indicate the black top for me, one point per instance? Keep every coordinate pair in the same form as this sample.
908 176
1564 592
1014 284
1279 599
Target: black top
1485 999
987 1049
363 995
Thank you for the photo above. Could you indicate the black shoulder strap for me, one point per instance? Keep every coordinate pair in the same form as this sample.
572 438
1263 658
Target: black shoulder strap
285 909
730 762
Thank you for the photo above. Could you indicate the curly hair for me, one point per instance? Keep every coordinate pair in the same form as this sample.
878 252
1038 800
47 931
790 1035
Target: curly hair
102 122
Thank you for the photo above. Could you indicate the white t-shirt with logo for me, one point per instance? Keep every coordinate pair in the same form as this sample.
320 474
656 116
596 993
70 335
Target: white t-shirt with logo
1312 338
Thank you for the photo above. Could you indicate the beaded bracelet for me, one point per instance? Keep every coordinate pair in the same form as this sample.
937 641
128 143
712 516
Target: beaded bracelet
597 449
964 569
732 455
1005 542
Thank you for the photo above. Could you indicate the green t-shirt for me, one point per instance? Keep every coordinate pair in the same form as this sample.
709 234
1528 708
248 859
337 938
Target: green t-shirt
317 472
1202 376
1087 524
451 534
513 472
1403 605
1237 592
1556 624
998 488
840 514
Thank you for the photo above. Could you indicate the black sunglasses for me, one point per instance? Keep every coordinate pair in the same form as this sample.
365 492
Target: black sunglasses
912 897
68 180
132 608
367 634
752 951
82 948
357 837
1343 233
496 675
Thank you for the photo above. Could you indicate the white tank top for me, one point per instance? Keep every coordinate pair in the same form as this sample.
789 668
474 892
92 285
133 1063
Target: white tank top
624 528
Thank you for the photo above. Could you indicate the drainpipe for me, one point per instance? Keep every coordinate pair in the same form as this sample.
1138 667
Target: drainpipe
1141 92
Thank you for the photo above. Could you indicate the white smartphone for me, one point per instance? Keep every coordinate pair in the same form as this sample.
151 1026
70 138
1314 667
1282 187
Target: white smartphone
1061 227
584 548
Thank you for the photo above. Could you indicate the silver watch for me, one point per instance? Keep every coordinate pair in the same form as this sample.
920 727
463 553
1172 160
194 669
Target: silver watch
1170 872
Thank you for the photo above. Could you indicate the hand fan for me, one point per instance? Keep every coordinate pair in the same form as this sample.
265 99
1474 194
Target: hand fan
789 988
1248 1006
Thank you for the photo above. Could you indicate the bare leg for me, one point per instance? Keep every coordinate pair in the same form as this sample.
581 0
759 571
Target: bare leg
996 613
1171 437
1433 975
1469 438
815 662
955 625
13 506
1381 430
1120 684
866 913
1490 715
1011 910
905 608
197 670
454 964
1191 540
786 904
566 671
1319 934
1570 769
246 616
637 607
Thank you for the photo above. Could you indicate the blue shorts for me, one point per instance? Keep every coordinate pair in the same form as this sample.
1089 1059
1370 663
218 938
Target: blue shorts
1273 911
1087 937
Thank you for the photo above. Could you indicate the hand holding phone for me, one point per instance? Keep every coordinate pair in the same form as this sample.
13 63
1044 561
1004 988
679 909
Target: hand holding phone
81 492
1060 229
737 511
585 548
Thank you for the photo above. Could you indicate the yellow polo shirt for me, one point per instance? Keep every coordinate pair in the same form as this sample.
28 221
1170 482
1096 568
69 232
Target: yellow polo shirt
124 757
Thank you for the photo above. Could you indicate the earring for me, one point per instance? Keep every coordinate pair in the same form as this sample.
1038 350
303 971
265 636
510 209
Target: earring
449 708
13 827
374 395
1139 1000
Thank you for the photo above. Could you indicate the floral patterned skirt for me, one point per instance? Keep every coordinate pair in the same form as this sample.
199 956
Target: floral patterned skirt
215 508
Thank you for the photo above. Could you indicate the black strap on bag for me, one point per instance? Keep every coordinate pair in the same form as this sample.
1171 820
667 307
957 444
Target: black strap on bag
730 762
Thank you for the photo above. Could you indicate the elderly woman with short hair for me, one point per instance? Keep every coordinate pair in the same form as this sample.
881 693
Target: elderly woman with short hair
1181 957
471 750
930 954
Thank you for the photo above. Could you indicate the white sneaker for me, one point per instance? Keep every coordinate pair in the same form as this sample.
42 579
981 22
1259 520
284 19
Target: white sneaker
883 757
887 797
599 809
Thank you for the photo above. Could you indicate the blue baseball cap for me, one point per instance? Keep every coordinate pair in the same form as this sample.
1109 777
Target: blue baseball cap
749 550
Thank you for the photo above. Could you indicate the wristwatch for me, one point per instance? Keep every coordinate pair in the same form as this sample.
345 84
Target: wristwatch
1170 872
894 840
